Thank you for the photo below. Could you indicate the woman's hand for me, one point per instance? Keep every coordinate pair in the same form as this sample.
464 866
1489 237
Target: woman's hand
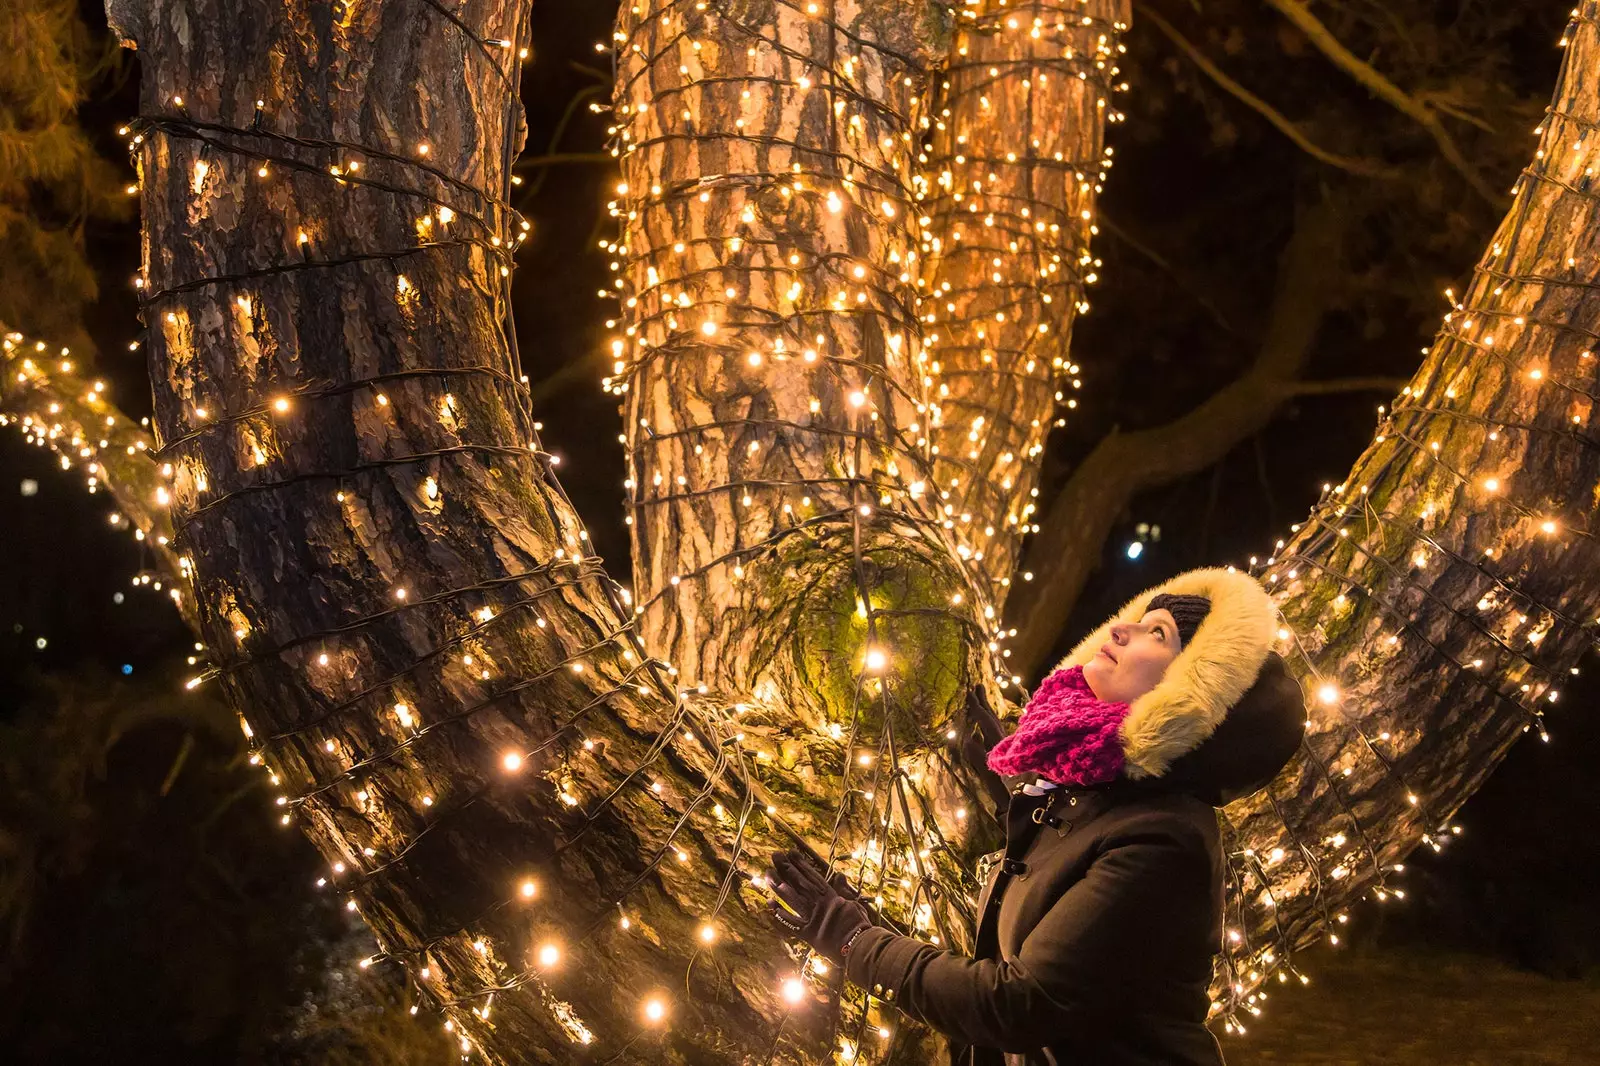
825 913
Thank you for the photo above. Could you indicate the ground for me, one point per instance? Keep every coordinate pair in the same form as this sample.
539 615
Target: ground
1408 1008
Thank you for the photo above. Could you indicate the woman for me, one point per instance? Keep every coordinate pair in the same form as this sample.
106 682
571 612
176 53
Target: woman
1098 928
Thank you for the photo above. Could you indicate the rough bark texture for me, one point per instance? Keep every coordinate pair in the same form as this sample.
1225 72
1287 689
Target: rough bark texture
769 365
393 588
1427 590
398 517
769 362
1013 162
44 395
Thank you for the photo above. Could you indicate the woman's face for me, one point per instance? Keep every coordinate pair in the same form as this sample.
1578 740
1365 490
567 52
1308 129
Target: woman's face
1132 661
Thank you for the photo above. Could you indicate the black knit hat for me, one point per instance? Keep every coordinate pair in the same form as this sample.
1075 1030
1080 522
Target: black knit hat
1187 611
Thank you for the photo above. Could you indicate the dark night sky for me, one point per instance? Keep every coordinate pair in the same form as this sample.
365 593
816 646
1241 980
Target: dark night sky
1513 885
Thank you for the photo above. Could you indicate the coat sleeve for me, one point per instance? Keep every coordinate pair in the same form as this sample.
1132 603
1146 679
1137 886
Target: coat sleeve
1108 936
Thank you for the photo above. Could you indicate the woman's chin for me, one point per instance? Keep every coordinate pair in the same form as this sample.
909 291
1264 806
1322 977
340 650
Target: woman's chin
1093 677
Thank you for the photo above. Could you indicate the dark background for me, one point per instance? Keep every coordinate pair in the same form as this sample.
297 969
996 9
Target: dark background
153 907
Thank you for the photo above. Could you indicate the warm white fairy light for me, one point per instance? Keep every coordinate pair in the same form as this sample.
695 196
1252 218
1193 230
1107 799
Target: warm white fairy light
837 201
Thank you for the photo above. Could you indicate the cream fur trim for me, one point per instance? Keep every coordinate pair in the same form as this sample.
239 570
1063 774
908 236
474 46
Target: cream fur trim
1209 675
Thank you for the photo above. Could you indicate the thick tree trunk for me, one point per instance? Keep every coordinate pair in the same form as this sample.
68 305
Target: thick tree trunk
1014 160
1440 595
773 396
399 596
394 589
768 356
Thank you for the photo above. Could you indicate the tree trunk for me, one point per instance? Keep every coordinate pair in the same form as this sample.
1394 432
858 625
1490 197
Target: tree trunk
392 585
773 396
768 361
1439 596
1015 159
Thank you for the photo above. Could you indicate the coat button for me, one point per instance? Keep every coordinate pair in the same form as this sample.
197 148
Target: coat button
877 989
889 994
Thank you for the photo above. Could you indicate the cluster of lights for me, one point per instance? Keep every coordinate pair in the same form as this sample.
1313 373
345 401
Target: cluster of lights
793 276
898 404
1507 385
1012 158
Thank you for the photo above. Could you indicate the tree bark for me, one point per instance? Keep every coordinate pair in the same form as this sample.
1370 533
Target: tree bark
772 388
1439 596
1013 163
768 358
392 586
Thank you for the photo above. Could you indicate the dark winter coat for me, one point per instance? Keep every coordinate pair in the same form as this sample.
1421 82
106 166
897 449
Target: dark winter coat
1095 938
1099 926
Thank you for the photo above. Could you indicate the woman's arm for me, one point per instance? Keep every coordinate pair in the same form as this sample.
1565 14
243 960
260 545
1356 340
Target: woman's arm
1105 938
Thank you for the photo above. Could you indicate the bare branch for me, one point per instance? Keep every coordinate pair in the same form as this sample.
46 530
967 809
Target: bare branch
1385 90
1082 514
1183 281
1337 385
1365 167
562 158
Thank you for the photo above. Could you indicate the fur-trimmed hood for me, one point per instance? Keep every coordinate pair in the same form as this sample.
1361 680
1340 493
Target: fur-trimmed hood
1171 732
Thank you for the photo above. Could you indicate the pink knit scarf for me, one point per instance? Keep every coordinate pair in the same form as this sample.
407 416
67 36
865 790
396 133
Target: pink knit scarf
1066 734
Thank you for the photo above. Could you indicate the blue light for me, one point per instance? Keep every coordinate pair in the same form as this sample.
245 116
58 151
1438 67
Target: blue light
1136 549
127 668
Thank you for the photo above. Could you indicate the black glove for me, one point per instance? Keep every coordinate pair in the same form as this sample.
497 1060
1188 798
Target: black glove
818 910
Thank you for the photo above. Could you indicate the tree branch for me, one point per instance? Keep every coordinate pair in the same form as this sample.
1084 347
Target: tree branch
1386 91
1337 385
1365 167
1015 168
1184 282
45 395
562 158
1082 514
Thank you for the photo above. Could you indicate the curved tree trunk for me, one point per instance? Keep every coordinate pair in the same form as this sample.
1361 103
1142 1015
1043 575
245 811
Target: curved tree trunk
1014 161
1437 599
773 396
392 586
769 360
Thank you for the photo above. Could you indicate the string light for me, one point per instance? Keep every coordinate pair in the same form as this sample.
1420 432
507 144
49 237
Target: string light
1412 558
847 304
